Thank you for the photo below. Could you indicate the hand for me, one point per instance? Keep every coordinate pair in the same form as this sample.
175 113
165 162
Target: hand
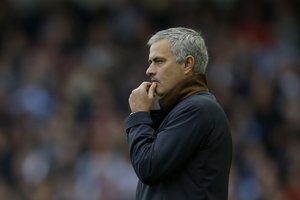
141 98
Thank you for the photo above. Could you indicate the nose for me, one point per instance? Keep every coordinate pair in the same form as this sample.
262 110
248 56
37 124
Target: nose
150 71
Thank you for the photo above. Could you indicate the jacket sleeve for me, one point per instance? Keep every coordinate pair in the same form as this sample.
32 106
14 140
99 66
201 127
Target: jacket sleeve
155 156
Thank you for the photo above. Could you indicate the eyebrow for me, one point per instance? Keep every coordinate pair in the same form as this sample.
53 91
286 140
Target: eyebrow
156 59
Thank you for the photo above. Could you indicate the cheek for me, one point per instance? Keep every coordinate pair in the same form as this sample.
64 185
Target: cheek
168 78
164 85
161 87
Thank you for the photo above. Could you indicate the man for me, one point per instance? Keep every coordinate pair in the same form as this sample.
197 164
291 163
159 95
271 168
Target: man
182 150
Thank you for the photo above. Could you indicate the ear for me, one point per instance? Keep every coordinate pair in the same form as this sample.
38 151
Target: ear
189 64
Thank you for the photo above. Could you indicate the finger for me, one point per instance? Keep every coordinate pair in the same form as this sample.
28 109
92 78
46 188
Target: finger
145 85
152 90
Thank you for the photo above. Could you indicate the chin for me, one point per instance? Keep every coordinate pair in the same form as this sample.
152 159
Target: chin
158 93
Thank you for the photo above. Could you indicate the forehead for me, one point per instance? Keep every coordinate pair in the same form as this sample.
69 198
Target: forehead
161 48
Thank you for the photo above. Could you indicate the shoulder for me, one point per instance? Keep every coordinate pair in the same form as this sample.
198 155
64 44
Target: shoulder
200 100
201 104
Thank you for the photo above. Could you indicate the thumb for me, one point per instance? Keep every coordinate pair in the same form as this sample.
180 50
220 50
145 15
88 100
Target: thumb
152 90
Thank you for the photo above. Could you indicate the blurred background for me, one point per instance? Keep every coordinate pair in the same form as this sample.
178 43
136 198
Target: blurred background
68 67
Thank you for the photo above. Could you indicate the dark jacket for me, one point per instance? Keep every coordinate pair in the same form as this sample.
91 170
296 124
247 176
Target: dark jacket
188 155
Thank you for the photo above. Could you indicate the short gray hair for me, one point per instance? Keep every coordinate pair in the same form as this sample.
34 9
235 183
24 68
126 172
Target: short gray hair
184 42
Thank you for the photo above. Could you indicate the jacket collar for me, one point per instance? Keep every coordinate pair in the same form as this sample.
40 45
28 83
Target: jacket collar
187 87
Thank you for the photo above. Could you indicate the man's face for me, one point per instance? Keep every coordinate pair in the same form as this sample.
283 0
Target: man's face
163 68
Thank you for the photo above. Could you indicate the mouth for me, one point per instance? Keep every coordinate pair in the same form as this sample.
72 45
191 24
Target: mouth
154 81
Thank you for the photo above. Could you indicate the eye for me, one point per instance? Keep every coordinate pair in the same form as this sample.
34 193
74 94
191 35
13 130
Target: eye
159 61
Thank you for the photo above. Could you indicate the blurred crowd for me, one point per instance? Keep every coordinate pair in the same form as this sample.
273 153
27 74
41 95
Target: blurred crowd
68 67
